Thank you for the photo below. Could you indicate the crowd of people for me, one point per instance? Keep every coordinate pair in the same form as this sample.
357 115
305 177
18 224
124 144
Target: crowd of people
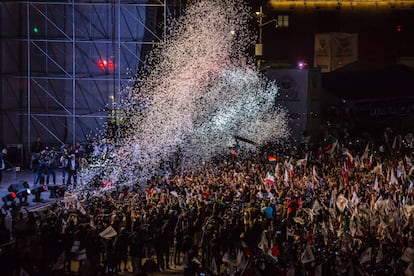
345 206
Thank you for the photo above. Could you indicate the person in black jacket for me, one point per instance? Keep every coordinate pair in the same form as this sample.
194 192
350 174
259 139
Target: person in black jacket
3 153
72 168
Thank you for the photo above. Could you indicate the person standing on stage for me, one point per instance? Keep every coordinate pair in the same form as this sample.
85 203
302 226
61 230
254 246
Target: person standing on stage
3 154
51 166
36 149
72 168
64 161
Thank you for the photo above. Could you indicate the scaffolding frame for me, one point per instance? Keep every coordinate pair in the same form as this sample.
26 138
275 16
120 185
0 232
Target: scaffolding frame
58 47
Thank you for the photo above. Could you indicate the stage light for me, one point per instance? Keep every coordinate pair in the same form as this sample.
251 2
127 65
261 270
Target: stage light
56 191
17 187
102 64
302 65
111 65
35 30
21 190
37 192
22 196
8 199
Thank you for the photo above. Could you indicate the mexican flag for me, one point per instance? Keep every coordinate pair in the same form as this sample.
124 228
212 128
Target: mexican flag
330 147
270 178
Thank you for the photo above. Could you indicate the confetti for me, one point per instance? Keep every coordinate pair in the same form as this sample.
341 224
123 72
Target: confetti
198 90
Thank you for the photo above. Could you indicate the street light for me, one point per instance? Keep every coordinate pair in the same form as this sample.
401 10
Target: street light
259 46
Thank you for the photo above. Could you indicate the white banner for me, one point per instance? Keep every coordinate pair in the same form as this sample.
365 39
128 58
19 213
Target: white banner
335 50
344 49
322 53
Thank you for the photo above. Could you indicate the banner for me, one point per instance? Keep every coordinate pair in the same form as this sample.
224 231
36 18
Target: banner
335 50
322 54
344 49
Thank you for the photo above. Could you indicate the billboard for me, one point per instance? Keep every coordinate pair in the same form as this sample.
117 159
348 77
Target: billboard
335 50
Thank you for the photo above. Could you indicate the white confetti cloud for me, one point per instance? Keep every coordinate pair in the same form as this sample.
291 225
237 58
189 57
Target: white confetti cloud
200 89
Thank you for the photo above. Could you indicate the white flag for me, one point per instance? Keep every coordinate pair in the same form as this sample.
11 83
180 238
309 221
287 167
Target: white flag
307 255
376 184
393 180
366 256
108 233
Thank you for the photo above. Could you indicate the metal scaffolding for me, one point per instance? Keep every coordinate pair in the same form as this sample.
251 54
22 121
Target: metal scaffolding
64 63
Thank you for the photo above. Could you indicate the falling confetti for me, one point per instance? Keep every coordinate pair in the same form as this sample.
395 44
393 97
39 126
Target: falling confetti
198 91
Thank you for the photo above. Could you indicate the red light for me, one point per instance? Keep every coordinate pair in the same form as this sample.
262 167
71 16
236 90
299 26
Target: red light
399 28
101 64
13 194
104 65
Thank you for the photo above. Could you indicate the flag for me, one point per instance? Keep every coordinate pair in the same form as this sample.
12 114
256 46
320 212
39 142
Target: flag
366 256
345 172
348 155
314 174
410 270
241 260
355 199
330 148
376 183
272 160
366 151
393 179
270 178
302 162
378 169
277 171
286 176
408 255
108 233
275 251
341 202
369 165
291 171
307 255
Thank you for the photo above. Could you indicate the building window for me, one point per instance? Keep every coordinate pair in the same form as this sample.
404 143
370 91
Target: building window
283 21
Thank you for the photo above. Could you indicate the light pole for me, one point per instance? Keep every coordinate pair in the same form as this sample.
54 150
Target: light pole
259 46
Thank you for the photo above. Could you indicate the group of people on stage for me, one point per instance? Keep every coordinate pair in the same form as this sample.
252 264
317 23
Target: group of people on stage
45 163
344 207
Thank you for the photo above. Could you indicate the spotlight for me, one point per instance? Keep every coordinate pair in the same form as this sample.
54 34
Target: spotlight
8 199
302 65
22 190
56 191
37 192
22 196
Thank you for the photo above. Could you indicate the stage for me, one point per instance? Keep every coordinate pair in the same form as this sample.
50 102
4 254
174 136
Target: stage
13 176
